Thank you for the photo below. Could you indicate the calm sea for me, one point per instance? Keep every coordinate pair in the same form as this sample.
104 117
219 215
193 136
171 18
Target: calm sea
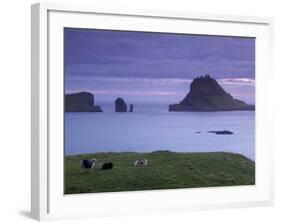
151 127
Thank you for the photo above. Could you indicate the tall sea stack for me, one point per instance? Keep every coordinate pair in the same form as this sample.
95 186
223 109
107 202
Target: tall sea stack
81 102
120 105
207 95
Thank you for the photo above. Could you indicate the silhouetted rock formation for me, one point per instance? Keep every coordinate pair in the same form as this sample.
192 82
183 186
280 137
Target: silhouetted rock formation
81 102
131 107
222 132
120 105
207 95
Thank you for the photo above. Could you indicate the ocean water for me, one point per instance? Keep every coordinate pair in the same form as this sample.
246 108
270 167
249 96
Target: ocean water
151 127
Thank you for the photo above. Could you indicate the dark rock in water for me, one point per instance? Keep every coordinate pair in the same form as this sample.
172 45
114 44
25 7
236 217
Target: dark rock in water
120 105
81 102
198 132
207 95
222 132
131 107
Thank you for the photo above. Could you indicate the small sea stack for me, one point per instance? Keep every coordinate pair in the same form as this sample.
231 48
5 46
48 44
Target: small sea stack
120 105
131 107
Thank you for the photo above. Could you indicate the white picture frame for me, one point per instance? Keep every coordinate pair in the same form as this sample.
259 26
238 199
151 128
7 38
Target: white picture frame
48 201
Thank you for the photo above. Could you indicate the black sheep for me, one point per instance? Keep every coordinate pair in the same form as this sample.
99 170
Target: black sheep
107 166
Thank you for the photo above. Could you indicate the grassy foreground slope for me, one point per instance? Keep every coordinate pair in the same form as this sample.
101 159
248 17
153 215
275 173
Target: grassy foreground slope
165 170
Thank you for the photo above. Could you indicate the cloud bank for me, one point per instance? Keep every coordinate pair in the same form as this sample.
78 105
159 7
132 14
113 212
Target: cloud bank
136 64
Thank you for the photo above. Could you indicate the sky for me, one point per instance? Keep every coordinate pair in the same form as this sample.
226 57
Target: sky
155 67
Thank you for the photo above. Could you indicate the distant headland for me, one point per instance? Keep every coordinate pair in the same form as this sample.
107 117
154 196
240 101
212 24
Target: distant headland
84 102
81 102
207 95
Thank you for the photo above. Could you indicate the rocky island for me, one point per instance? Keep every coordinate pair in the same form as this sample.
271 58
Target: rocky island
207 95
81 102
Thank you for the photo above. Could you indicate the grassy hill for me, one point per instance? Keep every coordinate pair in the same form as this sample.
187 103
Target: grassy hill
165 170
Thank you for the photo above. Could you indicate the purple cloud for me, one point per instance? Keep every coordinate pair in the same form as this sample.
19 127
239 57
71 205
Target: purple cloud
142 63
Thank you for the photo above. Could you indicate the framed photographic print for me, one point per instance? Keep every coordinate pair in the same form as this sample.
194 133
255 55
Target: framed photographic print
138 111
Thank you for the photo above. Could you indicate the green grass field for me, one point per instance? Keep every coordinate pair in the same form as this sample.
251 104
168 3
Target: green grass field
165 170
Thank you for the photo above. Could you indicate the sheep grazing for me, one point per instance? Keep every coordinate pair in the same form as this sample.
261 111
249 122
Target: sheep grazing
107 166
88 163
142 162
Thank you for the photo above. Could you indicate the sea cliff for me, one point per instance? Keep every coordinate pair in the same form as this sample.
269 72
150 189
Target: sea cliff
81 102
